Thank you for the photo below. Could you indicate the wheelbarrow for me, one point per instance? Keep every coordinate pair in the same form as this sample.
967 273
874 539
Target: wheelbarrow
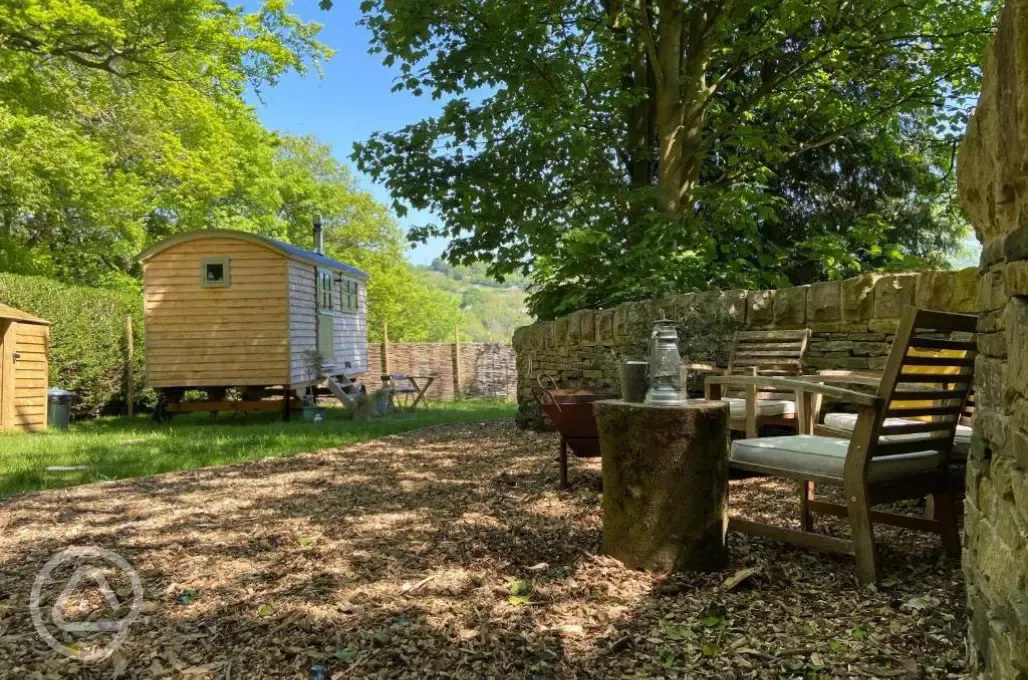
571 411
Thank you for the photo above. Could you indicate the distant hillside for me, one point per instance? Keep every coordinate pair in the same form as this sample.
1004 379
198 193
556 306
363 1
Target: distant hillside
491 310
475 274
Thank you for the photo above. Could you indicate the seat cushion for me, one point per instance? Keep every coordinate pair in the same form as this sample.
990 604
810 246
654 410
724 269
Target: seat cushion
848 421
765 407
809 456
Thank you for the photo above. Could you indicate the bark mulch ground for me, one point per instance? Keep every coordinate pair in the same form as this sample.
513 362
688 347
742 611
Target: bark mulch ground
450 553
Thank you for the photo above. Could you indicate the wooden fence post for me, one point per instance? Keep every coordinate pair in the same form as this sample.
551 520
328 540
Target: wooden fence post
130 388
455 349
385 348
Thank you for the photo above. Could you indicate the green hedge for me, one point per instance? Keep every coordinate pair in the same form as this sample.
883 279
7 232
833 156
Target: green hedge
88 348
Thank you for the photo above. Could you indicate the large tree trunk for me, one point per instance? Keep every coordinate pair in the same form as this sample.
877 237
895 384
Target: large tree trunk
670 171
680 49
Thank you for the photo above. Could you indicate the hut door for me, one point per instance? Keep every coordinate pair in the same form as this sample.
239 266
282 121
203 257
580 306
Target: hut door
325 348
325 323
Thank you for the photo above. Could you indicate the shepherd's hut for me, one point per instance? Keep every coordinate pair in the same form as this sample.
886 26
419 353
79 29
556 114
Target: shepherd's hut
229 309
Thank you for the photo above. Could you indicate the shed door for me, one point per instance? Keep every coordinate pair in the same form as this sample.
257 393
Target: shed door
6 373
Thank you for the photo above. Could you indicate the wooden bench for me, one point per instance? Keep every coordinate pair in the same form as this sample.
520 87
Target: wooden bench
762 353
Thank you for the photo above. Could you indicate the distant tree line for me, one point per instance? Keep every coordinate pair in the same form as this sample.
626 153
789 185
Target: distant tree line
123 122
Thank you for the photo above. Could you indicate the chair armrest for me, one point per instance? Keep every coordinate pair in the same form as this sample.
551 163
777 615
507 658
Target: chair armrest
797 385
867 378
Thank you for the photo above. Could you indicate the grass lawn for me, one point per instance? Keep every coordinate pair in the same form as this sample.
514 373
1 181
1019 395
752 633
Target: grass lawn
116 448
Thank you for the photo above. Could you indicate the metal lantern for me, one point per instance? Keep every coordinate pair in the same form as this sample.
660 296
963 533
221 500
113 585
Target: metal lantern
665 365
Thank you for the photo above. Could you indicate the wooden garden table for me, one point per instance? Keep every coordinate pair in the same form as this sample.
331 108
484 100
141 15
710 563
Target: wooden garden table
429 379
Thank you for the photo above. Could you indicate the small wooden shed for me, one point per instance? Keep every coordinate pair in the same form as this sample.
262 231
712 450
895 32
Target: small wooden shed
23 370
228 309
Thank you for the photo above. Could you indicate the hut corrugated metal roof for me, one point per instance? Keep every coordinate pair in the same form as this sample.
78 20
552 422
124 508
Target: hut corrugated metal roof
287 249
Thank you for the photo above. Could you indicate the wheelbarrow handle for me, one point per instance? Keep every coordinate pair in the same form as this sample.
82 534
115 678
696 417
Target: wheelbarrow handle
541 390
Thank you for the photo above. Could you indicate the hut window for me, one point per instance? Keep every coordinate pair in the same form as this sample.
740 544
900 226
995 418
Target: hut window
214 272
349 291
325 290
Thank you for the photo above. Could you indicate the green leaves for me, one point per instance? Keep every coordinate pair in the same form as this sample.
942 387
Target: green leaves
790 123
86 355
123 121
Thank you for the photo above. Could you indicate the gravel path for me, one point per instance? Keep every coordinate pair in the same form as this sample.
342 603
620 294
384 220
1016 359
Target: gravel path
449 553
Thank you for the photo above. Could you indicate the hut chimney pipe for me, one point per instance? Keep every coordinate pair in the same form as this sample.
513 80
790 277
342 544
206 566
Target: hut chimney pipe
319 236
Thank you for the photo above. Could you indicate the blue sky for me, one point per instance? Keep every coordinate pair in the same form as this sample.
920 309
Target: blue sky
352 100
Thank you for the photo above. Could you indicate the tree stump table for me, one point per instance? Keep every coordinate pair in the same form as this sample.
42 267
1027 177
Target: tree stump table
665 484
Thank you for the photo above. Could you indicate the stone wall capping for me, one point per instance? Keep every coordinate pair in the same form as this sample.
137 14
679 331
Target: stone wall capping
760 311
892 293
790 307
858 298
964 291
824 302
934 291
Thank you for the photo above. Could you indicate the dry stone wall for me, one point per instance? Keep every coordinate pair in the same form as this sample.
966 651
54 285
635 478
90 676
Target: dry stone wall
993 185
853 323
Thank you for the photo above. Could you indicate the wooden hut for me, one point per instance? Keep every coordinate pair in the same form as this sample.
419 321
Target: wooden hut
228 309
23 370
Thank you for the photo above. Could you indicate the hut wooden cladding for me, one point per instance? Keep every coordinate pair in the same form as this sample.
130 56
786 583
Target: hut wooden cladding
231 309
23 370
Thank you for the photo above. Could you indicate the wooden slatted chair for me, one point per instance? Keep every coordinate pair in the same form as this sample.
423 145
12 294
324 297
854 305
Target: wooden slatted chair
840 424
763 353
873 466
